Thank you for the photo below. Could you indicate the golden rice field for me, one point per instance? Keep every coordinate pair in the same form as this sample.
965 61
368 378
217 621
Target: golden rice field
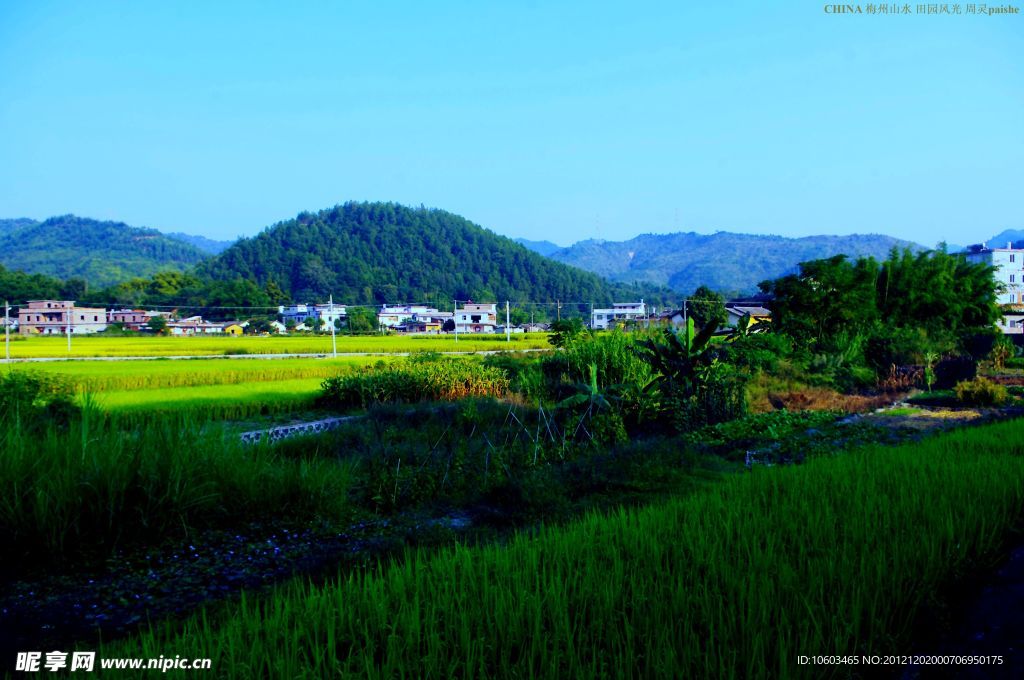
107 376
155 346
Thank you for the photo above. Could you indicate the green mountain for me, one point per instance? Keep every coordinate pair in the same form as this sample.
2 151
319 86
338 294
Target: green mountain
727 262
207 245
1007 237
102 253
11 226
545 248
384 252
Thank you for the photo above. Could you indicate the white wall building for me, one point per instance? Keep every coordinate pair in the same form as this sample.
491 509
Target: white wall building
476 318
299 313
1009 264
601 319
390 316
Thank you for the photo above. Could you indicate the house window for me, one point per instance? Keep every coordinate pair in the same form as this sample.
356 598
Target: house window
1013 258
1013 278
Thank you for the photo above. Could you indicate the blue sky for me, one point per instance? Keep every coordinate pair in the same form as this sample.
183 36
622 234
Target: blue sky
546 120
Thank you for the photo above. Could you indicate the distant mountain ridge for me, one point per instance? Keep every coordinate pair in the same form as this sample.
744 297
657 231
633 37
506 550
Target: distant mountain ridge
102 253
385 252
545 248
724 261
207 245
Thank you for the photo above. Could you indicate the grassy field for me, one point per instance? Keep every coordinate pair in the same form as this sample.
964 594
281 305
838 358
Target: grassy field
98 346
837 556
233 401
88 486
103 376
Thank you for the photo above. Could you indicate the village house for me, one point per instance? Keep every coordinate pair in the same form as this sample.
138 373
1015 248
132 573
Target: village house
476 318
620 312
194 325
392 316
736 312
135 319
58 317
1009 271
734 309
431 321
299 313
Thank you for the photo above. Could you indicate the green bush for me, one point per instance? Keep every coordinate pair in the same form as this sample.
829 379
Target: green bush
757 352
981 392
35 402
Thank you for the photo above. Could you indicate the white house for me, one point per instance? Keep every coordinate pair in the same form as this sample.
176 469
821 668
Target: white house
476 318
1009 266
391 316
298 313
601 319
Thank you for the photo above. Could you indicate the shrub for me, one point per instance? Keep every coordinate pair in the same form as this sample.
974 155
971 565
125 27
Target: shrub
981 392
758 352
35 401
1002 350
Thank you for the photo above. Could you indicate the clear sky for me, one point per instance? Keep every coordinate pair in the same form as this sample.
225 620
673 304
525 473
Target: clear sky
546 120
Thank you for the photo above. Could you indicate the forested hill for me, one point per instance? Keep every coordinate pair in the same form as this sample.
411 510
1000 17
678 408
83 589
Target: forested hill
101 253
11 226
207 245
727 262
384 252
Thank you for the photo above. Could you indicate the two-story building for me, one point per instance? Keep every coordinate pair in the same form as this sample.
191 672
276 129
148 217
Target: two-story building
476 318
299 313
59 317
135 319
620 312
392 316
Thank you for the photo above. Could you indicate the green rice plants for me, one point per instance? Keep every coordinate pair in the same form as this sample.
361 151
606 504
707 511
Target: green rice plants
735 580
153 345
413 381
82 492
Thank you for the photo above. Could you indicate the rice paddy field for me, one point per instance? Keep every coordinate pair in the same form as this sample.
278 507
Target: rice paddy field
155 346
843 555
105 376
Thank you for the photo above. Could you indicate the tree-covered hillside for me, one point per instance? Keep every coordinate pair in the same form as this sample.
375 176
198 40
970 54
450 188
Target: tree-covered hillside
733 263
9 226
384 252
207 245
102 253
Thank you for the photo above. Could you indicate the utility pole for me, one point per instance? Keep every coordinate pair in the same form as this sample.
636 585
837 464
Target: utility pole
455 318
69 312
334 341
558 309
508 329
7 330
